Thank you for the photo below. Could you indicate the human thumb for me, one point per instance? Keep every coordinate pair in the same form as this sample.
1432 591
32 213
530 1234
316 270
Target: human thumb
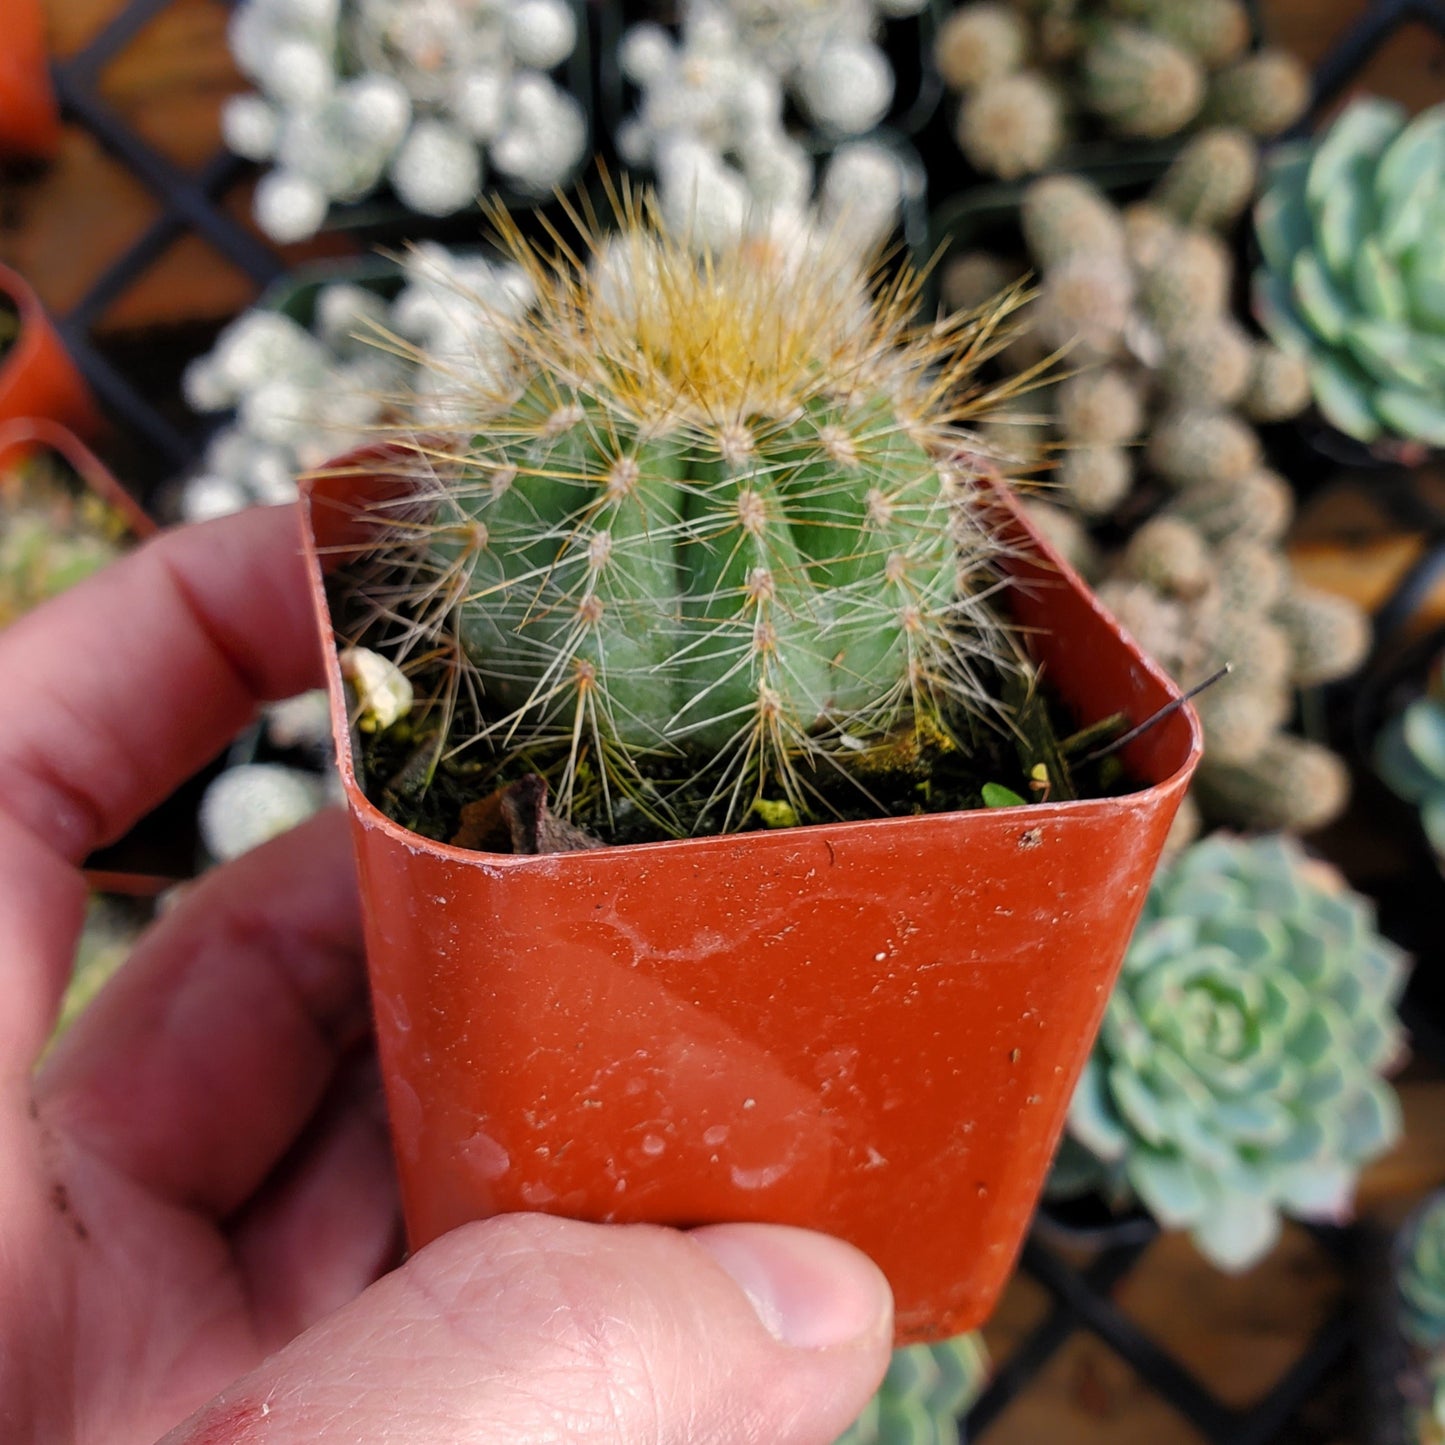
528 1328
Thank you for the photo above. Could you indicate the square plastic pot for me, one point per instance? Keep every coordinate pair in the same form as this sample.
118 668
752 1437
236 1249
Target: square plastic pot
871 1029
29 116
24 436
37 376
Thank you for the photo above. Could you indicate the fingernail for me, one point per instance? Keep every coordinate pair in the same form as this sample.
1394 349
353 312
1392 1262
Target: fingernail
809 1290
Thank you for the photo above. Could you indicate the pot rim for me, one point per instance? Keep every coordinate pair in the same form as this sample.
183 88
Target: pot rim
371 817
40 433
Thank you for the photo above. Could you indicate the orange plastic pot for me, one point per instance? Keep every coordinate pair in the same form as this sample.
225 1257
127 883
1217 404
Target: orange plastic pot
29 117
37 376
24 436
871 1029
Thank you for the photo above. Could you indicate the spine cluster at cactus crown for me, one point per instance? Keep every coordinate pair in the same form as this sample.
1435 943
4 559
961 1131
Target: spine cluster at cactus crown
711 511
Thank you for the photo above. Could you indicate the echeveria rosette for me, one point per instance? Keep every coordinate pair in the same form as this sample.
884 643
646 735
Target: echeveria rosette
1351 230
926 1389
1410 757
1238 1072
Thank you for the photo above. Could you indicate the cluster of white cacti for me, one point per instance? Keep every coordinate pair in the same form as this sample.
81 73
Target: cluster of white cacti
712 122
354 93
301 397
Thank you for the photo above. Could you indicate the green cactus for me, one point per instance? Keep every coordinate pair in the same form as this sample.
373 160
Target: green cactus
1141 84
1409 755
1264 93
1353 273
1291 785
979 42
1211 181
53 534
926 1390
1012 125
1238 1074
709 515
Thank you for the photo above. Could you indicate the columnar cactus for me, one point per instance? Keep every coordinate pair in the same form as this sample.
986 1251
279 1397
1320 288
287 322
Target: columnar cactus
356 92
711 510
1031 77
1353 273
1238 1075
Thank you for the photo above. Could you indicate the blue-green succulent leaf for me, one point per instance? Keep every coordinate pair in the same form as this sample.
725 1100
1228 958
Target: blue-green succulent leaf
1344 393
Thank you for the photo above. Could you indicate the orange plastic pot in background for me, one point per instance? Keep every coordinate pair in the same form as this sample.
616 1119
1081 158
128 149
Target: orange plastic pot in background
37 376
29 116
872 1029
24 436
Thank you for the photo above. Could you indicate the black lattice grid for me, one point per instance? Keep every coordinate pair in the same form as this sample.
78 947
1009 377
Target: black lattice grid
1081 1295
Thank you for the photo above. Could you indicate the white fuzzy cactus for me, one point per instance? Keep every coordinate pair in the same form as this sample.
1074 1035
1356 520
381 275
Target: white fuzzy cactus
301 397
712 122
421 93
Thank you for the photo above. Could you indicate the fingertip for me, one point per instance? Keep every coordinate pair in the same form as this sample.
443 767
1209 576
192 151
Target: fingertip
810 1291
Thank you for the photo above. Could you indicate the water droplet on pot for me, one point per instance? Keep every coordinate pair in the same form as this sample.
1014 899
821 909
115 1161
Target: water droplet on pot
652 1145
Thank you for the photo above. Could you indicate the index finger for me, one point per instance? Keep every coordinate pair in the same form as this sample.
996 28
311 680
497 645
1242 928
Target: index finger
117 691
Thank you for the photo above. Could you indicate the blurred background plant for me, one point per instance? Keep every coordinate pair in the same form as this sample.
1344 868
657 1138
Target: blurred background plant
1240 1071
1034 76
53 532
1351 231
420 95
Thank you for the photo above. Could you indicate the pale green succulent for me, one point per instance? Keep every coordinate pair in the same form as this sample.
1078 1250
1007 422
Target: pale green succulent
53 534
1422 1276
1410 757
1238 1073
1351 228
926 1389
1420 1282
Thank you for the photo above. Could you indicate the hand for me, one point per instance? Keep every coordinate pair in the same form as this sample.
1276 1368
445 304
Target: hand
196 1197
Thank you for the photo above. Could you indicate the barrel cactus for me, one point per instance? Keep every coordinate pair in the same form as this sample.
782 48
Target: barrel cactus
711 514
1238 1073
1351 229
926 1389
1410 757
